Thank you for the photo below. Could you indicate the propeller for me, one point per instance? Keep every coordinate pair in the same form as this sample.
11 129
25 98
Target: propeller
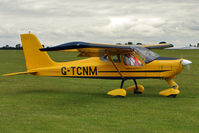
186 63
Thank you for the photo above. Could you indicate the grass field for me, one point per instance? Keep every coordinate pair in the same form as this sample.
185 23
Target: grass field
47 105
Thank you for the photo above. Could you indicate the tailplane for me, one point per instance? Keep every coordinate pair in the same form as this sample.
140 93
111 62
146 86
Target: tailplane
18 73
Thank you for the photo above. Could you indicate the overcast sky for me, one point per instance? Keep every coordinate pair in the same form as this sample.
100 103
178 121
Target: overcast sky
101 21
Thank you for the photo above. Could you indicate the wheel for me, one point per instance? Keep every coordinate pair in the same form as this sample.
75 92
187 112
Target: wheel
136 91
118 96
172 96
117 92
139 90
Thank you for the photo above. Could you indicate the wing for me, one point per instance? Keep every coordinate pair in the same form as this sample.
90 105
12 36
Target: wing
96 49
91 49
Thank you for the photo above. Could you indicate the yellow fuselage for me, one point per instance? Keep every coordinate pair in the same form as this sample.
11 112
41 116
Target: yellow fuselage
95 68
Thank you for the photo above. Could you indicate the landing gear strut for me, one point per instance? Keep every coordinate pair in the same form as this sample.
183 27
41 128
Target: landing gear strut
136 90
122 83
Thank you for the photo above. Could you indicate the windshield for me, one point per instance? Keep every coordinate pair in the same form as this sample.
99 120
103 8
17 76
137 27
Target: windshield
145 54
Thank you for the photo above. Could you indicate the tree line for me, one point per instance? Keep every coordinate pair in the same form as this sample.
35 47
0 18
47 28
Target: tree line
16 47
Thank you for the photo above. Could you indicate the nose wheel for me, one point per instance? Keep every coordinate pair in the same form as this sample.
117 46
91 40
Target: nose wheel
171 92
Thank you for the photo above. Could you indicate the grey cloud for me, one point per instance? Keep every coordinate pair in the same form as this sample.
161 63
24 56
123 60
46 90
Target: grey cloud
58 21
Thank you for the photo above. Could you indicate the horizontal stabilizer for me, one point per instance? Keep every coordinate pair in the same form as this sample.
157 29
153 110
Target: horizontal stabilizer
18 73
158 46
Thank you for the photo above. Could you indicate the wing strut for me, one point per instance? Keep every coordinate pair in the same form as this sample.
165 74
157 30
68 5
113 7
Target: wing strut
115 66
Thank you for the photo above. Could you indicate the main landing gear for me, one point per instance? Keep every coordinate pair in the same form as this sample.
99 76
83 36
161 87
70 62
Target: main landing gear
137 89
171 92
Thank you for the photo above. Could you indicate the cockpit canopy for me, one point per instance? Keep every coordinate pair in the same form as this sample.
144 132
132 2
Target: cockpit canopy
145 54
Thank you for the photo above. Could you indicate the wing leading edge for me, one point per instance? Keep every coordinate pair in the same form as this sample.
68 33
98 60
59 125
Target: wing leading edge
78 45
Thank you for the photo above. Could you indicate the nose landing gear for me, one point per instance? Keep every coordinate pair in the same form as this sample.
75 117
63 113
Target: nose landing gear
171 92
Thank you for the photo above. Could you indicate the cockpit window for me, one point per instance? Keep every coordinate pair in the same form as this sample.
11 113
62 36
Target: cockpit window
145 54
131 60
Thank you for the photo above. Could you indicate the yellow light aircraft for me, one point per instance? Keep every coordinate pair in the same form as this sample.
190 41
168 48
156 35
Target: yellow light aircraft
107 62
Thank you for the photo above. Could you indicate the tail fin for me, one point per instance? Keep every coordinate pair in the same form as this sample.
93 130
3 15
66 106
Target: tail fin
33 56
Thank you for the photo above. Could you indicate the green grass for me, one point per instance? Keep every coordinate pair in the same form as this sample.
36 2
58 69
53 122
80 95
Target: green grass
47 105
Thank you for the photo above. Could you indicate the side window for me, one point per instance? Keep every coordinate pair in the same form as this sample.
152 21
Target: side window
131 60
104 58
116 58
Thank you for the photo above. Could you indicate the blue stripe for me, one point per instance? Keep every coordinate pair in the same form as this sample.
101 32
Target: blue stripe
94 77
166 58
135 71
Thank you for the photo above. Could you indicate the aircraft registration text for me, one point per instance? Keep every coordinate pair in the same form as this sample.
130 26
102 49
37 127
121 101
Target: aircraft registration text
85 70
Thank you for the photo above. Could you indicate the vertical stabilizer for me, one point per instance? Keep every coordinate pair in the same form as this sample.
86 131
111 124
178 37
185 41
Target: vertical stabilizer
33 56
